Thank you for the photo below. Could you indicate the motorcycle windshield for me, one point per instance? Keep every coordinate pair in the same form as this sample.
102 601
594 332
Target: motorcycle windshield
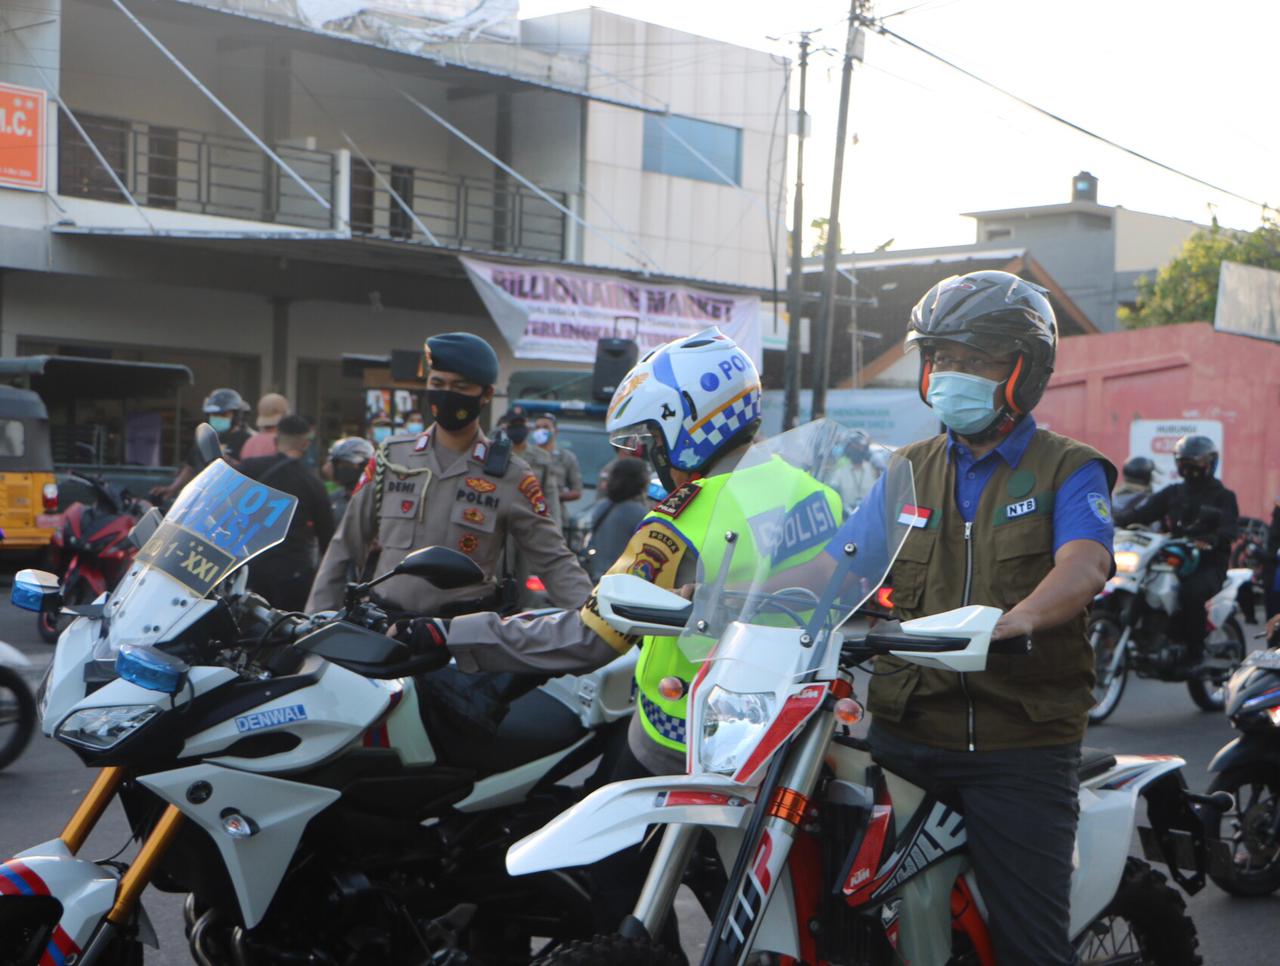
788 545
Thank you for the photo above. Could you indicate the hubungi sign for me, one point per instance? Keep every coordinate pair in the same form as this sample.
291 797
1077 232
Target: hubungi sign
549 313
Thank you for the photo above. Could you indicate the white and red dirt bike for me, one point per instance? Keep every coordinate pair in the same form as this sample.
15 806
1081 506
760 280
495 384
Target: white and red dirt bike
830 858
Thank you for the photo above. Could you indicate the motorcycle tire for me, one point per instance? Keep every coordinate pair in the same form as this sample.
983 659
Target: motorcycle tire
17 715
1147 919
1109 698
610 951
1256 787
1205 694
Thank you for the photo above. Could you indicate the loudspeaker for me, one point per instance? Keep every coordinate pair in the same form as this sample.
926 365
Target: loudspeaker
614 359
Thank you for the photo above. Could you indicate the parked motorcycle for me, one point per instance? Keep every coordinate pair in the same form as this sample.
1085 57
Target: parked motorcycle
17 705
831 858
91 550
1131 619
290 774
1248 767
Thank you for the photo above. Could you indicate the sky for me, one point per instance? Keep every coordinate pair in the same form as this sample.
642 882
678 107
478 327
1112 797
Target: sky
1187 84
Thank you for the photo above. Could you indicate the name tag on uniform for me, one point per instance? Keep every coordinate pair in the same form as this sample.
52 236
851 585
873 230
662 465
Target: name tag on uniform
1014 510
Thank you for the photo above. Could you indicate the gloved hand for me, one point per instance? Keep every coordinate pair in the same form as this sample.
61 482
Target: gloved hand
426 637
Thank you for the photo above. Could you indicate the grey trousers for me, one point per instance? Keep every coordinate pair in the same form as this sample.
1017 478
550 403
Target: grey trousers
1021 813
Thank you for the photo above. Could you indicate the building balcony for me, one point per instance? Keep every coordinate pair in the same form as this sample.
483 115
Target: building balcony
230 177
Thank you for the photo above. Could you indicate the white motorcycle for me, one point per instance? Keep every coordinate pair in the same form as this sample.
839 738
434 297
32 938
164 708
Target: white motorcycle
311 797
1130 620
829 857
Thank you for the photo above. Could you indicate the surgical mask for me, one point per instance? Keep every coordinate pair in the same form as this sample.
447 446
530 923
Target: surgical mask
454 410
220 424
414 427
518 432
380 433
541 437
964 403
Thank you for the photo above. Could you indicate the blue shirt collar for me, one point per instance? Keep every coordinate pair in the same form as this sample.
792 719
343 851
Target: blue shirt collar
1011 448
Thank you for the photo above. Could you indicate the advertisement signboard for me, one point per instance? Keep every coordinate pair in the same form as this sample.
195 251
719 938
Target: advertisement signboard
22 141
893 417
1155 439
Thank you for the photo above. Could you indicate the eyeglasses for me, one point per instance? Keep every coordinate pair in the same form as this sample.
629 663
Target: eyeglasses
975 365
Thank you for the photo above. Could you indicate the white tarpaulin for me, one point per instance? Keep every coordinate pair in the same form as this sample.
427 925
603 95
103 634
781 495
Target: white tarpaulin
893 417
1155 439
1248 301
415 21
554 314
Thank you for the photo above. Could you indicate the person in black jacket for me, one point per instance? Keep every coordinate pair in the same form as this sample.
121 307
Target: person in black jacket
284 573
1200 509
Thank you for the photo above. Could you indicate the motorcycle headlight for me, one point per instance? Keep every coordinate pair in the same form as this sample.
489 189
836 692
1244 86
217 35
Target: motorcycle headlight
101 728
1126 561
732 725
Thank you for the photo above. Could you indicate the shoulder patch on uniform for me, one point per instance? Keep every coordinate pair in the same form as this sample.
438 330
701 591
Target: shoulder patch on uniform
1100 506
423 442
678 500
532 491
366 476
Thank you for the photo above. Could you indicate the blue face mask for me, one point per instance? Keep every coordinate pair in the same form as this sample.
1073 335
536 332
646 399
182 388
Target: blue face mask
540 437
220 424
380 433
964 403
414 427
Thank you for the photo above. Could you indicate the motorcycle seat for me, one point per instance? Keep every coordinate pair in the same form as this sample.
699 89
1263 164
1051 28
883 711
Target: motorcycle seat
1093 762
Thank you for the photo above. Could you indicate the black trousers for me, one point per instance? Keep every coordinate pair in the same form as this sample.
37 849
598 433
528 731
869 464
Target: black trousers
1021 812
1193 593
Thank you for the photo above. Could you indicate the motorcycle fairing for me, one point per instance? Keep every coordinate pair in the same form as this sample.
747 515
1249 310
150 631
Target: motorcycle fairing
279 811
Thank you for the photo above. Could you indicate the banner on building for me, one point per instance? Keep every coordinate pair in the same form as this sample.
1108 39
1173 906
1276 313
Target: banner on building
1248 301
1155 439
550 313
22 140
894 417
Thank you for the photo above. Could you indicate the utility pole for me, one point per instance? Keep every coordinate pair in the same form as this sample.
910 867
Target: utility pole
795 302
821 339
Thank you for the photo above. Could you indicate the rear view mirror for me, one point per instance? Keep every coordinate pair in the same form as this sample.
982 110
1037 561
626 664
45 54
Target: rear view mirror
36 590
144 528
447 569
207 444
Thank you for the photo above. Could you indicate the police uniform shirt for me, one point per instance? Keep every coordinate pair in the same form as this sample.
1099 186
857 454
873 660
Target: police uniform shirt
567 474
427 500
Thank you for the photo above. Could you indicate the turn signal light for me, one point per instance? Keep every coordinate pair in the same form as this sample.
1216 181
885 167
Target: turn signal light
49 496
884 597
671 688
848 711
535 585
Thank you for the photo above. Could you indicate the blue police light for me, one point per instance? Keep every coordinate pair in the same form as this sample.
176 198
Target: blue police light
151 669
35 590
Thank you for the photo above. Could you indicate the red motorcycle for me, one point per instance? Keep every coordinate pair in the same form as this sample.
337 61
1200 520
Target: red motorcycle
91 551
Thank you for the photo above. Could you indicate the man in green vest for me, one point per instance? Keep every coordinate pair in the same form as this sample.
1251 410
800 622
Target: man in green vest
692 406
1019 518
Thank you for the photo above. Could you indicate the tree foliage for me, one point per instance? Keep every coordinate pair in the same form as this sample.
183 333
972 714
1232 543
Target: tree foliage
823 228
1186 290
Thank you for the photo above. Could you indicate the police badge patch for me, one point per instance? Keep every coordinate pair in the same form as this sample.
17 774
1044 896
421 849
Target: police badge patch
1100 505
678 500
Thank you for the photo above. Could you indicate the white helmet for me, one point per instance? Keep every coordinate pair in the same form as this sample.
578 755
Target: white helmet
686 402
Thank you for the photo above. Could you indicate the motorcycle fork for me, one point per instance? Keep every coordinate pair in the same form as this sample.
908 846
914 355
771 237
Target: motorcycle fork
91 807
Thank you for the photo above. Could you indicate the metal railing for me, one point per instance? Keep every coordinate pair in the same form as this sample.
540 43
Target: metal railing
210 174
461 210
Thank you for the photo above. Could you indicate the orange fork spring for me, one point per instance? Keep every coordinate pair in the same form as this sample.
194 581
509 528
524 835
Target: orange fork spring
139 872
91 807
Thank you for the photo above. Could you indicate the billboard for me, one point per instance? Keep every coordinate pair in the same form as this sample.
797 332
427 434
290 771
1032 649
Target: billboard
22 140
1155 439
1248 301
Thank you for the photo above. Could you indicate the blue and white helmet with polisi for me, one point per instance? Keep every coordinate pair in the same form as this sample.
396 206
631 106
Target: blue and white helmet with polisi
686 402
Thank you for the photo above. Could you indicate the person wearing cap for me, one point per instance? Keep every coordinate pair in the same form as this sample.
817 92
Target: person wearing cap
271 409
224 410
564 465
380 429
449 486
515 424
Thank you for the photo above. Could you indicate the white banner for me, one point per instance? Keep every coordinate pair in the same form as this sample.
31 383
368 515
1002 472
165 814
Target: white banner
1155 439
555 314
1248 301
893 417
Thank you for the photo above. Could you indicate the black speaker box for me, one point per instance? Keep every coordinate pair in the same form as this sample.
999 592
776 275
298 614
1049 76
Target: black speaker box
614 359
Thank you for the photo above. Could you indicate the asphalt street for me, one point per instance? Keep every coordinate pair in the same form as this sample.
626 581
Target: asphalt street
41 789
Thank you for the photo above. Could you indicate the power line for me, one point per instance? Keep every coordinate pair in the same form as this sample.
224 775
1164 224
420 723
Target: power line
1045 112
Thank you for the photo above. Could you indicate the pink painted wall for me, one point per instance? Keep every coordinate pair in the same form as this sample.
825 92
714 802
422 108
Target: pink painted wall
1103 382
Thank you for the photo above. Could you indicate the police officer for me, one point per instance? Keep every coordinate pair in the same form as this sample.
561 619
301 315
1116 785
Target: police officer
693 405
1015 517
450 487
564 462
1135 485
1204 511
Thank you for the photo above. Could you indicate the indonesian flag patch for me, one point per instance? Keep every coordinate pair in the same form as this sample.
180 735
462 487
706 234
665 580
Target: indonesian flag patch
914 516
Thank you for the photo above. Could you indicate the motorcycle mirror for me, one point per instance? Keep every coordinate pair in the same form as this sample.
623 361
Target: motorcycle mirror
447 569
36 590
144 528
207 444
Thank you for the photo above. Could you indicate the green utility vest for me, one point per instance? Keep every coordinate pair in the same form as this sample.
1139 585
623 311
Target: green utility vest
1018 702
774 504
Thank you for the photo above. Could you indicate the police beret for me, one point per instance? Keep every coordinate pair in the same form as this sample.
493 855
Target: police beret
463 353
516 414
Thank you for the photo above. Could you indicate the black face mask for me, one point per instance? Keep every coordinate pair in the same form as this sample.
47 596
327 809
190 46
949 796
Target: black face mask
518 432
1193 475
346 474
454 410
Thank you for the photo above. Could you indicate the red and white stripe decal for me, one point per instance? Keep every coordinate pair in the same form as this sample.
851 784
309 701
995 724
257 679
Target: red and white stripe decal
793 714
681 797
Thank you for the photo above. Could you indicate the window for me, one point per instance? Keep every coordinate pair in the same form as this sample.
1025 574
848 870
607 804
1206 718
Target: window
162 167
362 197
995 234
402 184
672 145
79 170
12 438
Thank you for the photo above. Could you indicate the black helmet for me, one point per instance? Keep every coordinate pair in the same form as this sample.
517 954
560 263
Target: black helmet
994 312
225 401
1138 469
1195 456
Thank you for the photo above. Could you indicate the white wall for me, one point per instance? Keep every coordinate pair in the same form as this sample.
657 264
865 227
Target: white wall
1145 241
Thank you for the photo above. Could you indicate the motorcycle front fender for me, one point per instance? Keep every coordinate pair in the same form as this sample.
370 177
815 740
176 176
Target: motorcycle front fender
1245 750
11 656
615 817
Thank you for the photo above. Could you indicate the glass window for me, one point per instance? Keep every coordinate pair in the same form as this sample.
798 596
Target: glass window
672 145
13 438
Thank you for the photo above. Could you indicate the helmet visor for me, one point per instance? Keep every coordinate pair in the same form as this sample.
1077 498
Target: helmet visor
633 440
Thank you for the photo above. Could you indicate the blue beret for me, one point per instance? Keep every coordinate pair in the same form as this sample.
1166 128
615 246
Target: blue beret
463 353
